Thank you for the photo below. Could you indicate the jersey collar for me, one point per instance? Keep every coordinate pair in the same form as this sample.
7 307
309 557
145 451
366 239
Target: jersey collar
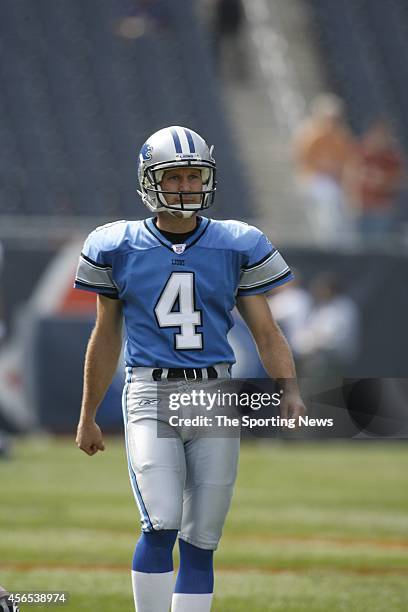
189 242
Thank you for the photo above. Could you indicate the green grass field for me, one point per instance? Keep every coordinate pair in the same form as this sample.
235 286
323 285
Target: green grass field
316 527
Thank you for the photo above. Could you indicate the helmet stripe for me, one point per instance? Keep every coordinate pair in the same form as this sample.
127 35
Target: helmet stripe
190 140
177 142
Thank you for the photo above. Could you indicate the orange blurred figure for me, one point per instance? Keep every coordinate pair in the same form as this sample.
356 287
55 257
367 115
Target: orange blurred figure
322 147
373 179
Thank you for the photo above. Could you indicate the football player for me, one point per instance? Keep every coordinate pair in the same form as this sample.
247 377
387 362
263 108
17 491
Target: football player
175 278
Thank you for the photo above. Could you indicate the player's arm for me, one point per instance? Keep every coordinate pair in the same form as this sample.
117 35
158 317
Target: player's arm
273 350
101 361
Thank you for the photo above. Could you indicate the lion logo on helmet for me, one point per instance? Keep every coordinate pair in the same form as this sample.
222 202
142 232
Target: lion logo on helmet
146 152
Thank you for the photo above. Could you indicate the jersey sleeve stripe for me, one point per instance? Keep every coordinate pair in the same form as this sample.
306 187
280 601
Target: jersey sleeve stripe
96 288
261 261
270 269
94 284
264 281
284 278
95 276
94 263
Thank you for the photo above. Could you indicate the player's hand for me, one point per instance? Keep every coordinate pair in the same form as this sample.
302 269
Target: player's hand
89 437
292 407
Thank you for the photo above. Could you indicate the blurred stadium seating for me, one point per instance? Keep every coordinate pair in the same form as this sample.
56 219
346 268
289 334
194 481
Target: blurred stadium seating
77 100
365 44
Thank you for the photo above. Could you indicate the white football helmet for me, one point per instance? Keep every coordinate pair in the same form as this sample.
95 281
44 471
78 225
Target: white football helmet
172 147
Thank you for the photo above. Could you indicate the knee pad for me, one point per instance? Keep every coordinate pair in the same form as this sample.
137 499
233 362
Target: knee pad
154 551
196 574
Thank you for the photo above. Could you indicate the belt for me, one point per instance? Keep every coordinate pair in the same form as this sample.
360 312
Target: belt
185 373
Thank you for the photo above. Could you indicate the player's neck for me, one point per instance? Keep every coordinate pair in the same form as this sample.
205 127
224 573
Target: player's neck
169 223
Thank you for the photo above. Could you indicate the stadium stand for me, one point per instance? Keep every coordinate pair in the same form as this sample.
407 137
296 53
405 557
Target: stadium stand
77 100
364 44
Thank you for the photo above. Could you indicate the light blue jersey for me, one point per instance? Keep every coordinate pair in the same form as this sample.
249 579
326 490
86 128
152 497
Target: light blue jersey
177 299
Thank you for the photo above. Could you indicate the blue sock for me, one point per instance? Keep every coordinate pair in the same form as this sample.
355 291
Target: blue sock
196 573
154 552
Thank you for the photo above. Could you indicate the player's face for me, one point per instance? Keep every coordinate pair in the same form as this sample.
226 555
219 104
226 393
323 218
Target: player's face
186 180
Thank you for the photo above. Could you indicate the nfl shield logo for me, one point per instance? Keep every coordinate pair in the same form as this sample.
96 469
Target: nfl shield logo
179 248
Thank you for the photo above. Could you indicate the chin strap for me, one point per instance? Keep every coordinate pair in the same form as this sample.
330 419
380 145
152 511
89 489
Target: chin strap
186 214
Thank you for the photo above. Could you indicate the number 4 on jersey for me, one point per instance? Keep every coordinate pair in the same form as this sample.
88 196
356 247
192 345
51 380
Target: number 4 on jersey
175 308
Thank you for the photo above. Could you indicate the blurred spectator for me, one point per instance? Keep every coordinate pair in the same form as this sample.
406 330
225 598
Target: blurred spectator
5 448
322 147
290 306
373 179
4 439
228 22
2 322
148 16
329 340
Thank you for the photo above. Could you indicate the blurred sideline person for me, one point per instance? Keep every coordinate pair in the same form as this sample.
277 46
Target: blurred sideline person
175 278
291 305
4 440
373 179
2 321
146 17
329 341
322 146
